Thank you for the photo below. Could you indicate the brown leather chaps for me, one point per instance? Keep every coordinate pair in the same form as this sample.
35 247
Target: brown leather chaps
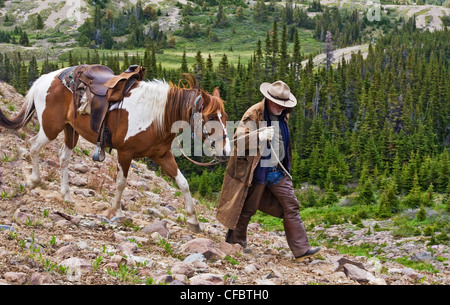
288 210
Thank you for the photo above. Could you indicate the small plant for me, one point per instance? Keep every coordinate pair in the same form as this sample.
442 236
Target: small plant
133 240
231 260
12 235
156 190
49 266
5 158
4 194
52 240
97 263
30 223
62 269
165 245
125 274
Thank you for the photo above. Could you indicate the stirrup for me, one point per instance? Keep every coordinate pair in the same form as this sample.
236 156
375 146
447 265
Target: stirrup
99 154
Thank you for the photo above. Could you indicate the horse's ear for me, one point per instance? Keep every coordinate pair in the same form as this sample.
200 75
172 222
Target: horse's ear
205 97
191 80
216 92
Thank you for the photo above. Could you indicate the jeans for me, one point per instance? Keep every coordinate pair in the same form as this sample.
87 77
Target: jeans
274 176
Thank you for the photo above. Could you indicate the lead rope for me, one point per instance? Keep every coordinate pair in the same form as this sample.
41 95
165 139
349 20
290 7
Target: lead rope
271 148
241 137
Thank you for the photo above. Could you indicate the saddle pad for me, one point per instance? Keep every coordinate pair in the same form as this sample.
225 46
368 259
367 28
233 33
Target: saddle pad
66 77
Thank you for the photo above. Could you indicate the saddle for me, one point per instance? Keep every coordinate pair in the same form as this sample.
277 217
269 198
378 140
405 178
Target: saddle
95 88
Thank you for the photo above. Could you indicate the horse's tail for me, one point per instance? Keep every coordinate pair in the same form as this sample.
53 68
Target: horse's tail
25 114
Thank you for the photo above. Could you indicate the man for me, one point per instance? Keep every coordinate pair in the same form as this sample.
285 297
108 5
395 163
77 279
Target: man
257 177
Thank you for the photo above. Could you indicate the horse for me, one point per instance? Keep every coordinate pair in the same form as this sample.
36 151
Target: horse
140 128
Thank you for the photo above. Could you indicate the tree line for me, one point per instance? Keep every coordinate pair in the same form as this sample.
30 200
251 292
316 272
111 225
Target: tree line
376 125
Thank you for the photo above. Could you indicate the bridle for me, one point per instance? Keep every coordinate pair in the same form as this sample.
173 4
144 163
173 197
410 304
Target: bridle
199 110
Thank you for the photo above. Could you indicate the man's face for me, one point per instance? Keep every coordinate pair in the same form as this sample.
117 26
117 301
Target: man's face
275 109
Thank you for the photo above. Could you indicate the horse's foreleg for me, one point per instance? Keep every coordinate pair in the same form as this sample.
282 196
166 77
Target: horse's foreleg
192 220
121 182
168 164
36 142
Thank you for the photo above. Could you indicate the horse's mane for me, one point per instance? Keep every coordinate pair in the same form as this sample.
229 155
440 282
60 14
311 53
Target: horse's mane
181 100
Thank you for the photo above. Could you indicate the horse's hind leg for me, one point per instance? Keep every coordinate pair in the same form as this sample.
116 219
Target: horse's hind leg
70 141
123 165
37 142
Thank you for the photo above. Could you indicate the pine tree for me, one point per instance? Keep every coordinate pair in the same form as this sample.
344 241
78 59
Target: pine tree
267 56
221 17
366 194
329 50
24 39
39 22
389 202
126 61
199 66
274 44
223 69
184 66
421 214
259 11
296 56
33 72
330 196
283 60
414 198
23 85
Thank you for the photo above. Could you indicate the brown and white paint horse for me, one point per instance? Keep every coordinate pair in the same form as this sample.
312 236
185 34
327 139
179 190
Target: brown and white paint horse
140 128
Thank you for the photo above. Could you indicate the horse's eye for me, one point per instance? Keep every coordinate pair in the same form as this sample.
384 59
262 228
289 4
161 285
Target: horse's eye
211 118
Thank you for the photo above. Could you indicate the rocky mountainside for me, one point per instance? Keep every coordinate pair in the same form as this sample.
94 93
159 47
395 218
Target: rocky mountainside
44 240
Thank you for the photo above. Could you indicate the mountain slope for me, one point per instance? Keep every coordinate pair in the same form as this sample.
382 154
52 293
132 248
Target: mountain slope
56 242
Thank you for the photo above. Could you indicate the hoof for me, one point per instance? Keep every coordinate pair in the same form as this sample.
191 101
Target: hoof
31 184
195 227
68 198
124 220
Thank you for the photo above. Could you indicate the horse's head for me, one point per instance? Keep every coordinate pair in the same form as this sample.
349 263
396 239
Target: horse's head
214 124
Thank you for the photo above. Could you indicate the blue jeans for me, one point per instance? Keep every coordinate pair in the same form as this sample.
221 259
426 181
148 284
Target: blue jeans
274 176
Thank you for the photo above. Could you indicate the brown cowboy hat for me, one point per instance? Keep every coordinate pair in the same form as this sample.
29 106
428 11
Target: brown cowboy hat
279 93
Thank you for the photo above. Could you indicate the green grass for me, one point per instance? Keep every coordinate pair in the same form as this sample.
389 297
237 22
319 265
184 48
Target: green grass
418 265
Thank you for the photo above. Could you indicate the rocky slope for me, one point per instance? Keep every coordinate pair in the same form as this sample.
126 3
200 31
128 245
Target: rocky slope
45 240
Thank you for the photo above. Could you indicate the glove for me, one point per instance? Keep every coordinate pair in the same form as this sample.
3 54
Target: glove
266 134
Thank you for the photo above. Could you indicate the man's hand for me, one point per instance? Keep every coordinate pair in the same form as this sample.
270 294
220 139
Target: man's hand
266 134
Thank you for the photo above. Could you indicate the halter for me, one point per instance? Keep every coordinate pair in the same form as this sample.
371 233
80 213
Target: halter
207 136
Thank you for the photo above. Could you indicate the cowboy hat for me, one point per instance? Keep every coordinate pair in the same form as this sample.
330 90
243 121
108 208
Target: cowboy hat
279 93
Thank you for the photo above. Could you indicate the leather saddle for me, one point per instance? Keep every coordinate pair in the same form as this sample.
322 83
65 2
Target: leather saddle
95 88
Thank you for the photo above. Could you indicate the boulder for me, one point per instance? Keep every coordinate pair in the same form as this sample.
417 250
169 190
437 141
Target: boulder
18 278
77 264
66 251
194 257
127 247
203 246
230 249
158 226
357 274
41 278
182 268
